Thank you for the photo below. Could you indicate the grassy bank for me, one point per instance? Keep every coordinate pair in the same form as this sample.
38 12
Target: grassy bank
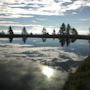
80 80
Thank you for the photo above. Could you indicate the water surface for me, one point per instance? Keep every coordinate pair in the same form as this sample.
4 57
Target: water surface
38 65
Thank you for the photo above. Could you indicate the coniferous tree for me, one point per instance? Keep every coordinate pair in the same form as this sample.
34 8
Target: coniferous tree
24 31
10 31
54 32
74 31
62 29
44 31
68 29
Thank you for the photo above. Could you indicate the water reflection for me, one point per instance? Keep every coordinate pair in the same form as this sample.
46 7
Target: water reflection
25 75
89 42
63 41
47 71
44 39
24 39
10 39
66 41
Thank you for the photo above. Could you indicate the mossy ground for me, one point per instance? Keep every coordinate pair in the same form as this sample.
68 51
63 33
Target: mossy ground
80 80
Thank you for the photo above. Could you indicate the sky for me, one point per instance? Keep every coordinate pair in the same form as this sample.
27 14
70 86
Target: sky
36 14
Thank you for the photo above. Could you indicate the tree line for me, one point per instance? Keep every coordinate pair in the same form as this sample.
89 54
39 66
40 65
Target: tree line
63 30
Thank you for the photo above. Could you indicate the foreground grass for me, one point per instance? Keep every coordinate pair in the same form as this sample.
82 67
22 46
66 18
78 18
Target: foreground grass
80 80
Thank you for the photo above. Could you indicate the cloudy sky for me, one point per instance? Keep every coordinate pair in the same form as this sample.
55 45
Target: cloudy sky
36 14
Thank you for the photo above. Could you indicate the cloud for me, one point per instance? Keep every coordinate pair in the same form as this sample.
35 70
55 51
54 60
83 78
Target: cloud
8 23
16 16
19 8
52 56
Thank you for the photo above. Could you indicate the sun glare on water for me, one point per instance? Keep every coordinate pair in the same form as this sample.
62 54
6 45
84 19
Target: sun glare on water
47 71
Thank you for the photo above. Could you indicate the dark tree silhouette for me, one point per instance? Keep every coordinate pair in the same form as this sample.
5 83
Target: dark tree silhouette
24 33
54 32
68 41
74 31
10 32
68 29
24 39
73 40
44 39
44 31
62 41
62 29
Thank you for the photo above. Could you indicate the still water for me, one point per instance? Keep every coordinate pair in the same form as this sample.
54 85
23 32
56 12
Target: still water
39 65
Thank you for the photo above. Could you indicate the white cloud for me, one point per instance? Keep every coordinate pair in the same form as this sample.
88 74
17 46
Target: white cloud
18 8
16 16
83 32
8 23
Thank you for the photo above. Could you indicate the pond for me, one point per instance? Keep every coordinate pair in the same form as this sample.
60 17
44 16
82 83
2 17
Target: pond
38 65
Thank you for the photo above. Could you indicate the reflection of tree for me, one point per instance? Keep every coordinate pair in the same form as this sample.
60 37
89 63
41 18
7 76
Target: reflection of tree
24 33
73 40
44 39
62 41
10 32
66 41
24 39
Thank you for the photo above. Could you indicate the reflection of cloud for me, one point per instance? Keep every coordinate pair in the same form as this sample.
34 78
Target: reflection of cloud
46 55
21 73
18 67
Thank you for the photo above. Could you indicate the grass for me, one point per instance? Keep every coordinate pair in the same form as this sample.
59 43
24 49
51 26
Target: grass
80 80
